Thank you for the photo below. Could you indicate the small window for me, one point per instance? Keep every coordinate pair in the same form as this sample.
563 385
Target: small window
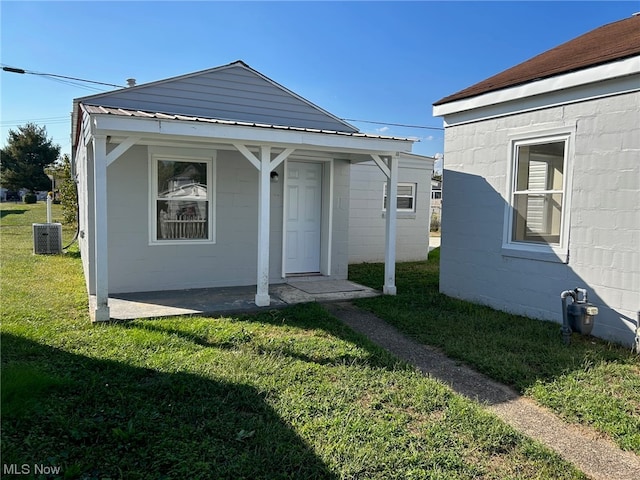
182 200
537 214
406 199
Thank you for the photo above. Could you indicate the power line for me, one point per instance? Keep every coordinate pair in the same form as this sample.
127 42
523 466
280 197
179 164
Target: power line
70 81
393 124
22 71
39 119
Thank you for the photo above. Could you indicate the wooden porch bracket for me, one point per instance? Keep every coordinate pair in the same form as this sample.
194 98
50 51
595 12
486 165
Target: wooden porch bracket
120 149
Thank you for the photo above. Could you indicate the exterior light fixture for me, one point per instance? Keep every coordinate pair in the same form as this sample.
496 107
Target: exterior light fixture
274 177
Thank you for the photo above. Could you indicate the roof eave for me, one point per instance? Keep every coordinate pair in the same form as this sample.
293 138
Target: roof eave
621 68
109 124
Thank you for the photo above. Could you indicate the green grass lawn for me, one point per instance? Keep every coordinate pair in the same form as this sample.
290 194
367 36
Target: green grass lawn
590 382
283 394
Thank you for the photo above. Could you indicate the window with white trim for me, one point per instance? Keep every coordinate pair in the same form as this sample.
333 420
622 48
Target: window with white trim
182 199
406 199
537 214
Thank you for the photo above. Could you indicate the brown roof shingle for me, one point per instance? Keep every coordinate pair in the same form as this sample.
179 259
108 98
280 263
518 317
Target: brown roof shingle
608 43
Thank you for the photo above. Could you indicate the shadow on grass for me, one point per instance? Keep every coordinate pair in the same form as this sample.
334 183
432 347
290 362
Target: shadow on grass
4 212
98 419
512 349
590 381
72 253
306 317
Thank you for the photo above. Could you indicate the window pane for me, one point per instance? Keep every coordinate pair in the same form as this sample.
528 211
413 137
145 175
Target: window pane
182 219
180 179
182 203
405 203
537 217
406 190
540 167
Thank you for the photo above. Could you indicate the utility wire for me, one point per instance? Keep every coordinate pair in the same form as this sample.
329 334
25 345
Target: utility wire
22 71
392 124
77 84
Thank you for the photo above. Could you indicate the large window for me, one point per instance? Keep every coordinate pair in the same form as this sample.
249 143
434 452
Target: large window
182 196
537 213
406 199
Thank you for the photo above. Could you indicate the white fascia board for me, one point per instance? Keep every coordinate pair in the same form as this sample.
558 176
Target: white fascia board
404 162
116 125
617 86
416 161
599 73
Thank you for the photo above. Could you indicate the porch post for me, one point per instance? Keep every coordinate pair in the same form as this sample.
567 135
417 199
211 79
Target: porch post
264 196
389 287
100 234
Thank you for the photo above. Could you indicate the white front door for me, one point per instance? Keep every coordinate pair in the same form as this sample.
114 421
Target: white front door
303 217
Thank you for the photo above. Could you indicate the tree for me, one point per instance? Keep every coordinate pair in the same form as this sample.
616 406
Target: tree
25 157
61 171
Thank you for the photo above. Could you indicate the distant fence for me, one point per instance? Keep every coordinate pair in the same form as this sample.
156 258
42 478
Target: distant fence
436 218
183 226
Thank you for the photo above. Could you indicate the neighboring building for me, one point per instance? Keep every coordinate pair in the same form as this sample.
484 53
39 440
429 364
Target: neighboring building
367 210
542 181
219 178
436 205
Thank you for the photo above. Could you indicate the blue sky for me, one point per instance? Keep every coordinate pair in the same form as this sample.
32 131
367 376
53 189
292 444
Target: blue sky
378 61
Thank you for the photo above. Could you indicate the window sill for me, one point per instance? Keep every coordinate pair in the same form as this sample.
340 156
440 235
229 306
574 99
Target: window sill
539 254
402 215
181 242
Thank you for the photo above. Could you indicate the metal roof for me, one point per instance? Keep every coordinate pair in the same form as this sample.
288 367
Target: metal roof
121 112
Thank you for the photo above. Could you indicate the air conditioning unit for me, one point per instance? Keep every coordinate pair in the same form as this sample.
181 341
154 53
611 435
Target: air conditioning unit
47 238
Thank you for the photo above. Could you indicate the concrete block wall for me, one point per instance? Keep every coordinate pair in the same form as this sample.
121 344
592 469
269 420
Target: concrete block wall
604 246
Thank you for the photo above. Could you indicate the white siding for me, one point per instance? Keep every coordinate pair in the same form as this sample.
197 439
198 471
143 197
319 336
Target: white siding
136 266
604 248
84 171
367 221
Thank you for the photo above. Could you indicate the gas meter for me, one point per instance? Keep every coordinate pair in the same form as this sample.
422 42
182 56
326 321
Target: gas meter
579 316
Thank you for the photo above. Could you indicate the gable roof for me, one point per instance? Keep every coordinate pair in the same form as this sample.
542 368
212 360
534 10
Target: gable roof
609 43
233 92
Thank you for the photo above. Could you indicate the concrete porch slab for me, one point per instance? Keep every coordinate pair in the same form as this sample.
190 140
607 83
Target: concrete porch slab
225 300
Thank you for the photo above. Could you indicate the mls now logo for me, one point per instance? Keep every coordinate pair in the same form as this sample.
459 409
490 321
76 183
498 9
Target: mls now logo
26 469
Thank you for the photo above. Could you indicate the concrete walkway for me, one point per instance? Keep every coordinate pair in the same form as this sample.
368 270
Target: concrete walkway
228 300
596 456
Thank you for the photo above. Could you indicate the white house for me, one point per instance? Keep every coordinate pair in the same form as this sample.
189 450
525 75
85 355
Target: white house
219 178
542 181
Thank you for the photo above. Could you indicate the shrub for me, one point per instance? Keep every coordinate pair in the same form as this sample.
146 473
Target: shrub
30 198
